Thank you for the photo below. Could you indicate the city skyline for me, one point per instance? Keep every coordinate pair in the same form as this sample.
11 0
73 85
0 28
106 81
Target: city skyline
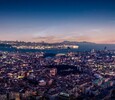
57 21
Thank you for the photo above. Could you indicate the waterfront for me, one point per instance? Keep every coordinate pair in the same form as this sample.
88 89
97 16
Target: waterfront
82 48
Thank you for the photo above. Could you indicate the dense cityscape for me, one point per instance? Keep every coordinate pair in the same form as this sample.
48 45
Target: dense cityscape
57 49
70 76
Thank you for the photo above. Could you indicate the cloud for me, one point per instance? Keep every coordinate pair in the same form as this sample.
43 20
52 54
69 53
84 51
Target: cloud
47 39
95 30
60 38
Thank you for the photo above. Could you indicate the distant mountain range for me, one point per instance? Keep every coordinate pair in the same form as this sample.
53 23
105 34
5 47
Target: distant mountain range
73 42
64 42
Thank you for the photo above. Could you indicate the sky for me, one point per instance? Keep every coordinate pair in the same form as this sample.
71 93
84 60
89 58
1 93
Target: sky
58 20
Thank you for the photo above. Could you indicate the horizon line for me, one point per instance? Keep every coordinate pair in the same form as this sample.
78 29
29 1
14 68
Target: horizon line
53 42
